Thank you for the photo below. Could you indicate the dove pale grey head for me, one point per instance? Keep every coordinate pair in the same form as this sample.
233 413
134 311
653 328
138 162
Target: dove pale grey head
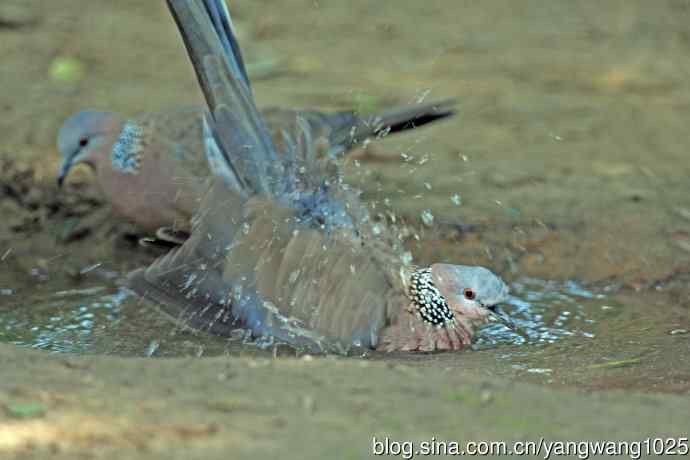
141 179
447 304
87 137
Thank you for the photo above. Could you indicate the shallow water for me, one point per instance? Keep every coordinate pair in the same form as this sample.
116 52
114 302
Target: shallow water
108 319
567 333
565 171
568 161
544 312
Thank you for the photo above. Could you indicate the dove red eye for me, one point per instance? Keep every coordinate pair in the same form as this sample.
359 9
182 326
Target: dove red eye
83 142
469 294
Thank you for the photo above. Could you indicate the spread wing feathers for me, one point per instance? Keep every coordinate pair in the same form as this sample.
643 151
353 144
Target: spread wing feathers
222 22
300 159
218 162
293 255
191 285
238 145
240 132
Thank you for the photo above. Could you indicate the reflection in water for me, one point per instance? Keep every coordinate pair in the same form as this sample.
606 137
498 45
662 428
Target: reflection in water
99 319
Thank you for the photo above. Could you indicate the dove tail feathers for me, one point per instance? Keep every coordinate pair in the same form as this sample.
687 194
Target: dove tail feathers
346 129
410 116
350 129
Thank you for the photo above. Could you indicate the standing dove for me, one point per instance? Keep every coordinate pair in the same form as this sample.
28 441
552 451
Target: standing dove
283 248
152 168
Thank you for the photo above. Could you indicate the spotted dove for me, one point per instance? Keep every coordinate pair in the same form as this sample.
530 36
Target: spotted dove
152 167
283 248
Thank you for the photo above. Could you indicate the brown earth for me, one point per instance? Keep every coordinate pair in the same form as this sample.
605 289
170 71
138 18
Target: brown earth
570 155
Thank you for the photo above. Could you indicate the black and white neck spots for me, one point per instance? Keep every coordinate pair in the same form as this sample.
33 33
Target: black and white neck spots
428 301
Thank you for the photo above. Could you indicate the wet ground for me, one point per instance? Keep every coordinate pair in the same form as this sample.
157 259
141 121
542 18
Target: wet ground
566 171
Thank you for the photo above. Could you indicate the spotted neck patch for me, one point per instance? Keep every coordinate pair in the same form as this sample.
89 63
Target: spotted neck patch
127 150
430 304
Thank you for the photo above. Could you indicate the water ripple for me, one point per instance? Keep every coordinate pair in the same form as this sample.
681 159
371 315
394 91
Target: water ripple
544 312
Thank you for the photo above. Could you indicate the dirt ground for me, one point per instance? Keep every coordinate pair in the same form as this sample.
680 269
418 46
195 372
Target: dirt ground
569 153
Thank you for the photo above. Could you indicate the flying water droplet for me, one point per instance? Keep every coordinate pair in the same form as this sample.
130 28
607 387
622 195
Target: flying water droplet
293 276
427 218
423 95
152 348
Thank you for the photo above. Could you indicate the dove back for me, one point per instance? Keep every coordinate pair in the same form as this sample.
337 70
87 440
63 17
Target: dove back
279 246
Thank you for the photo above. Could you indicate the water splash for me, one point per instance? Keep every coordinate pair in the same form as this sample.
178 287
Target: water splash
65 321
74 320
544 312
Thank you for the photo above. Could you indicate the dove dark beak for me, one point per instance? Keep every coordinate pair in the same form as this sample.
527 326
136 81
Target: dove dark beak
64 170
499 315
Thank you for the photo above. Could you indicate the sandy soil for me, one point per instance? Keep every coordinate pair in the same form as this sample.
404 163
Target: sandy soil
570 153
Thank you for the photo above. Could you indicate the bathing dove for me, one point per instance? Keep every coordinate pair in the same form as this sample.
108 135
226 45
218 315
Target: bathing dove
152 168
283 248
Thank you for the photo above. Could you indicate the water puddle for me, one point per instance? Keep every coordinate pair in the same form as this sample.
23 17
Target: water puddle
107 319
567 333
66 321
544 312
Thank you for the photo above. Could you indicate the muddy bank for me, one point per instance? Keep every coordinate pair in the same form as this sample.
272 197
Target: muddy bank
104 407
568 163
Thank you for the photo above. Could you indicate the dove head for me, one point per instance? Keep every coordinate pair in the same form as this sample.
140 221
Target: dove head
447 304
87 137
473 294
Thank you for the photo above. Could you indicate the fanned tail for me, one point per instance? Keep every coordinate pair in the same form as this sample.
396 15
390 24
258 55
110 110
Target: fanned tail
350 129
